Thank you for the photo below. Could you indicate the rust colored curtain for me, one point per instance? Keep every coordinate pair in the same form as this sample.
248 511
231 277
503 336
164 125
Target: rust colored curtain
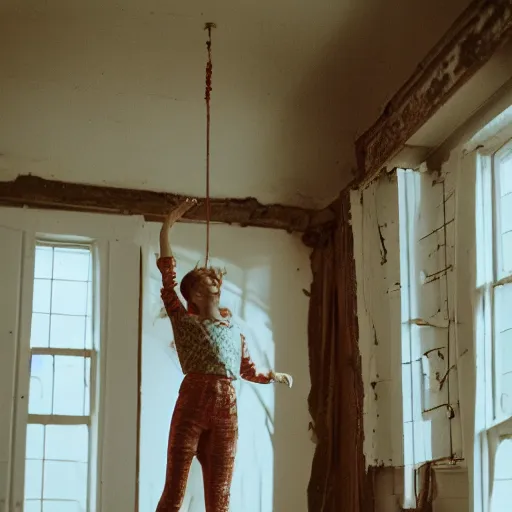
338 478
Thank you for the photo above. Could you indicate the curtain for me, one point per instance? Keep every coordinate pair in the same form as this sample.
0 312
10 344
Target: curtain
338 478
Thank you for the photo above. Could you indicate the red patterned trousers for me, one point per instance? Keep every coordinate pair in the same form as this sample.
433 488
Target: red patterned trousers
204 424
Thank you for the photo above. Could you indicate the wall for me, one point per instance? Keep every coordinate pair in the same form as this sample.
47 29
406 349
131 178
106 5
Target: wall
403 223
268 272
112 93
376 249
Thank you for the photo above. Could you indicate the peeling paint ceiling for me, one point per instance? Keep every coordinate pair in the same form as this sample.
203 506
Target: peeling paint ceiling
109 92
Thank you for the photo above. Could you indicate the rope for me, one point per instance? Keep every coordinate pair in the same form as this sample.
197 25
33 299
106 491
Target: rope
207 96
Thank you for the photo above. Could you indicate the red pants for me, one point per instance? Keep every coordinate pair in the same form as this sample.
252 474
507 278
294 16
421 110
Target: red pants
204 424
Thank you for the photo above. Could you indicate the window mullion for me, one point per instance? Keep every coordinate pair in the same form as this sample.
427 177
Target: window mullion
73 352
57 419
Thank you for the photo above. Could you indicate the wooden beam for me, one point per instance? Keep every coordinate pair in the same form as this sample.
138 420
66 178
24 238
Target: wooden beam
36 192
478 33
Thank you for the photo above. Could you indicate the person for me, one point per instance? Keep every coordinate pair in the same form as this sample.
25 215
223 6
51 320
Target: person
213 353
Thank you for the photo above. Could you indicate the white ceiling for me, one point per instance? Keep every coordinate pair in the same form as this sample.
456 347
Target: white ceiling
112 92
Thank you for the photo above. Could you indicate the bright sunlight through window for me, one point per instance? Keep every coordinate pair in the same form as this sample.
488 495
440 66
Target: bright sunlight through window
61 350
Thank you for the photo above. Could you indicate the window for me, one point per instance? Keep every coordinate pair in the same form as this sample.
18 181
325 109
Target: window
62 360
495 261
502 170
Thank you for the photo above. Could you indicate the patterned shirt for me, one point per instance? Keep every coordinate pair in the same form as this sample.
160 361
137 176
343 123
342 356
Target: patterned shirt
206 346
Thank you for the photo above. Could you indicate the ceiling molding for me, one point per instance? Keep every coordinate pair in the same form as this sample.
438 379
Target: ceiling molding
484 27
36 192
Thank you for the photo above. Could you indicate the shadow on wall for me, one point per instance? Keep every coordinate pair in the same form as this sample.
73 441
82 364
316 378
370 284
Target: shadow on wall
355 72
267 271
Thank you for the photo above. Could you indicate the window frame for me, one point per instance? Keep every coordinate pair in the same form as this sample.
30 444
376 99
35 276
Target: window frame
499 278
497 425
23 417
117 242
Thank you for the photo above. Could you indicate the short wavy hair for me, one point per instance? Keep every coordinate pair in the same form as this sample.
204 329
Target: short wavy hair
195 276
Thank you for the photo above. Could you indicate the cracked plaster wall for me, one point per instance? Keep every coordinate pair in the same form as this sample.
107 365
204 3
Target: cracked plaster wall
404 245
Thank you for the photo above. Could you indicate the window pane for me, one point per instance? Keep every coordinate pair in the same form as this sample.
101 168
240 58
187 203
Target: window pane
35 442
87 401
502 490
89 299
32 506
69 297
72 264
65 481
41 385
88 332
40 330
503 349
68 443
71 385
63 506
68 331
506 175
501 496
506 214
42 294
506 394
502 301
43 265
33 479
506 250
504 210
503 464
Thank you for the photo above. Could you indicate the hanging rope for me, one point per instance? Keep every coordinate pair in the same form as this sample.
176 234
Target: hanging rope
207 96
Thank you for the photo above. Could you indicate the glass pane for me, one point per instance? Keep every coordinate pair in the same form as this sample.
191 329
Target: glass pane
71 264
70 386
43 265
42 294
40 330
41 385
506 393
65 481
67 331
505 210
87 401
506 250
503 349
35 442
67 443
502 491
89 299
503 466
63 506
506 214
33 479
88 332
69 298
502 301
506 175
32 506
504 352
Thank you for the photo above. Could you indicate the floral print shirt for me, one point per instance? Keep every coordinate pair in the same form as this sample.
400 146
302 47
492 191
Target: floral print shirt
206 346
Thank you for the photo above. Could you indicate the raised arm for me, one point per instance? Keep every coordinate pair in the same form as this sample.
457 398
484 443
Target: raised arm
166 263
170 220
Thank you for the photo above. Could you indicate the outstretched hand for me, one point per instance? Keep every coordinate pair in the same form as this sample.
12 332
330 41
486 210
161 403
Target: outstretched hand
283 378
178 212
